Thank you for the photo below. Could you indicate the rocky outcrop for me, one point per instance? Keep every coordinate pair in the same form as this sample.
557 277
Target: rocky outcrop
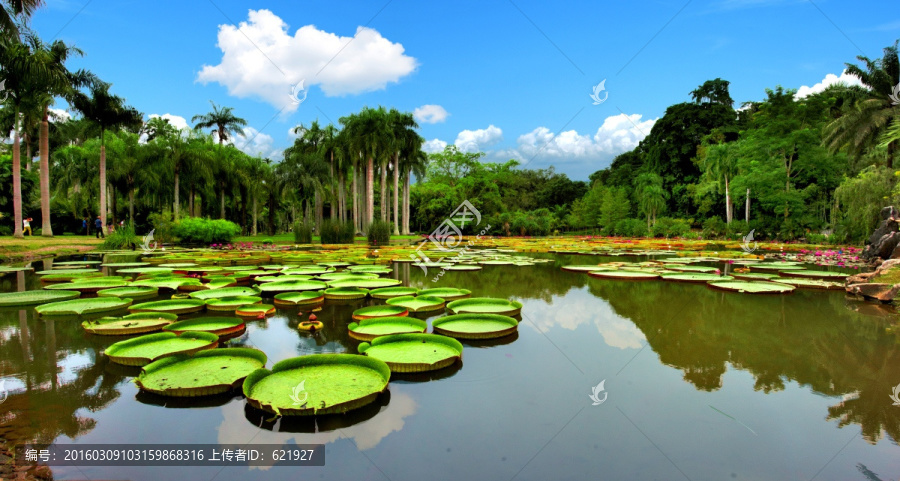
871 285
882 244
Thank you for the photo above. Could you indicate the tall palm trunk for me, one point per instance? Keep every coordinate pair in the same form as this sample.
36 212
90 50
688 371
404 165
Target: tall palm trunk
27 152
747 208
406 204
370 192
385 202
176 204
46 229
17 180
728 215
355 190
254 214
334 199
342 202
396 193
131 204
222 202
102 182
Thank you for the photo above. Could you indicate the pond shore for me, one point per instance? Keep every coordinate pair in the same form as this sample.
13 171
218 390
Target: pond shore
12 249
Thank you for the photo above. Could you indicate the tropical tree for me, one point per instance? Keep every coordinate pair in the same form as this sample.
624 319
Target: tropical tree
720 163
10 10
404 142
369 134
651 195
224 121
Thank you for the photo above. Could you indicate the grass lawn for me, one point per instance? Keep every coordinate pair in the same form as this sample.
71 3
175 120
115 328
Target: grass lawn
288 238
12 249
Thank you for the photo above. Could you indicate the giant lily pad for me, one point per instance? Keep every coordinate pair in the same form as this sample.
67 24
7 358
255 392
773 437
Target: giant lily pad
368 329
67 272
134 292
418 304
83 306
698 277
317 384
582 268
89 285
175 306
255 310
624 275
30 298
231 303
69 277
752 287
170 283
291 286
143 350
348 276
823 275
299 298
379 311
753 276
139 323
485 305
446 293
342 293
366 283
414 352
389 292
205 373
225 292
220 326
810 283
475 326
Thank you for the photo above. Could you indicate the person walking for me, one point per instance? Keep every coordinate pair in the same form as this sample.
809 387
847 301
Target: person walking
26 226
84 225
98 223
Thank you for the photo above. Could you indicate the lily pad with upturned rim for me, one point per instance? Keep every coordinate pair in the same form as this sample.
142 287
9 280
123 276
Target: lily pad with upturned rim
418 304
139 323
368 329
220 326
752 287
446 293
317 384
276 287
231 303
80 307
224 292
205 373
255 310
89 285
475 326
134 292
389 292
380 311
810 283
366 283
414 352
485 305
298 298
143 350
696 277
175 306
345 293
30 298
622 275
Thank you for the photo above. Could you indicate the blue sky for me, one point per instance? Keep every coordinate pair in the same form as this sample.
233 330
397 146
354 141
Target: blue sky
514 77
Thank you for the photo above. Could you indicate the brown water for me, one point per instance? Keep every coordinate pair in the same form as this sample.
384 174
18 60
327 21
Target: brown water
701 384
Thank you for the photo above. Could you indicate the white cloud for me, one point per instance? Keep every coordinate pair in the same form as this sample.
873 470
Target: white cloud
618 134
252 142
61 114
433 146
176 121
272 60
430 114
829 80
478 140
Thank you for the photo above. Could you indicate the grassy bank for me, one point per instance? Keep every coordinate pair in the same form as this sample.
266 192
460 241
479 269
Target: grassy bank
12 249
288 238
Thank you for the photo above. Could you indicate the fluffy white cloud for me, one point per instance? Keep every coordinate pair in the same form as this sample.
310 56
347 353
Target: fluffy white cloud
430 114
478 140
433 146
618 133
176 121
829 80
61 114
272 61
253 142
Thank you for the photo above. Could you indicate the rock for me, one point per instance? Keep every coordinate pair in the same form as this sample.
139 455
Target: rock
881 292
882 244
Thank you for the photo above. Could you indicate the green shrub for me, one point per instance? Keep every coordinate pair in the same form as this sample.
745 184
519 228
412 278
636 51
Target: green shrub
713 227
813 238
737 230
195 230
163 227
379 233
122 238
337 232
669 227
302 233
631 228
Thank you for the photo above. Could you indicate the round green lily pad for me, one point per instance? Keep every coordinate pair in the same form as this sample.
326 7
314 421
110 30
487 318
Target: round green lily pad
30 298
349 276
291 286
825 275
379 311
418 304
475 326
175 306
342 293
89 285
753 276
51 278
389 292
82 306
255 310
368 329
140 323
76 263
144 270
66 272
485 305
752 287
296 277
701 269
810 283
370 269
117 265
231 303
170 283
698 277
205 373
299 298
776 266
366 283
317 384
225 292
446 293
465 267
581 268
308 271
143 350
414 352
134 292
623 275
220 326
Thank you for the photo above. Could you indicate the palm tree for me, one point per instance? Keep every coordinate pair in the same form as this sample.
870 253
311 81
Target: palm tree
873 112
224 121
369 134
405 143
257 170
105 111
651 195
415 163
10 9
18 65
50 79
720 161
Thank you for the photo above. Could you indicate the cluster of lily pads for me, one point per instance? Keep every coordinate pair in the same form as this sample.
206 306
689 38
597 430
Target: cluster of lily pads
751 276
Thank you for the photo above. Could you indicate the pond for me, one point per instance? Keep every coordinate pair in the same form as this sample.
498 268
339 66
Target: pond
696 384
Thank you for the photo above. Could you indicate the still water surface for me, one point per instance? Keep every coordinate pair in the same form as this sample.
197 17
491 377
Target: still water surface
700 385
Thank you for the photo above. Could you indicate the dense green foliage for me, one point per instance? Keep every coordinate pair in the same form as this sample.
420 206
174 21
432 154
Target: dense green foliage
122 238
196 230
337 232
379 233
303 233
